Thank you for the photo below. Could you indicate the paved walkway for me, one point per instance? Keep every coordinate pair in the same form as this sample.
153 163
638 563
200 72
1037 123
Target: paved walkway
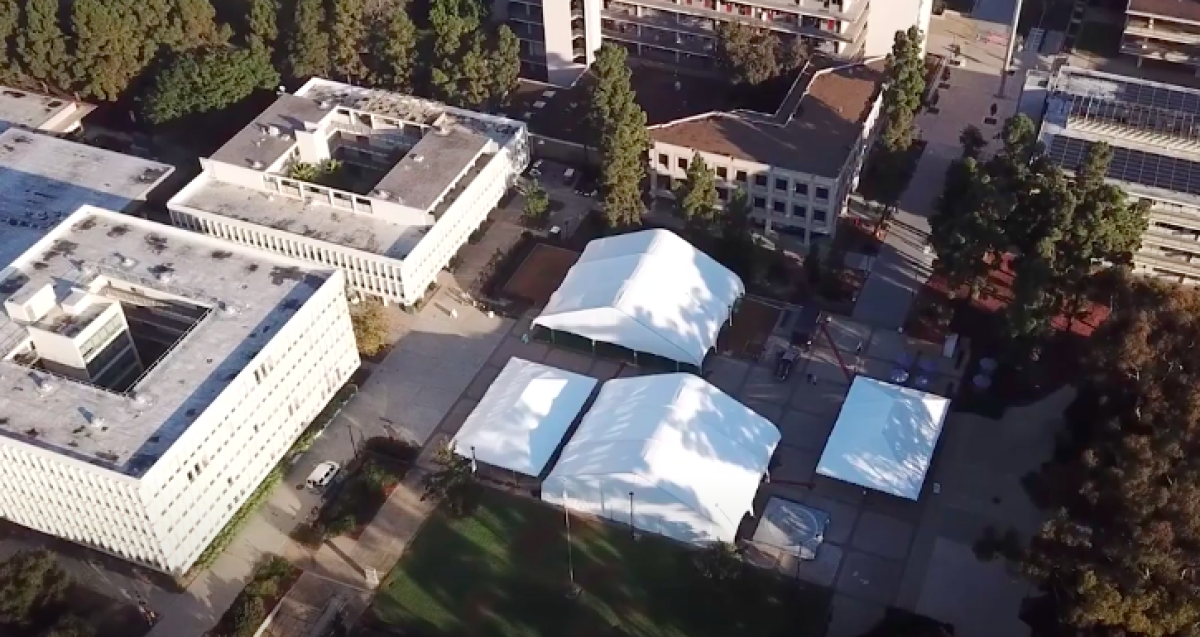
903 267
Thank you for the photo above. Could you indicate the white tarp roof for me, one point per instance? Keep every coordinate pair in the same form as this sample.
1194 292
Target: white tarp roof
884 437
649 291
673 439
523 417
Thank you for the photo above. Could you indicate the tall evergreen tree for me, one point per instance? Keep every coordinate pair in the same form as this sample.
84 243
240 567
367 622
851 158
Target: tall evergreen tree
393 48
30 582
474 73
262 22
206 80
451 22
623 140
41 44
750 56
308 43
347 38
10 17
192 24
505 66
696 200
904 73
114 42
736 248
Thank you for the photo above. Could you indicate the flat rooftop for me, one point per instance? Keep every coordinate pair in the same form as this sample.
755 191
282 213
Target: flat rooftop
432 166
254 145
249 295
814 130
34 111
1182 9
324 223
43 179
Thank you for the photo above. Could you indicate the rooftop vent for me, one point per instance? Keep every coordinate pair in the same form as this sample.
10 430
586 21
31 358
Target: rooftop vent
323 105
163 277
143 399
45 384
383 194
418 159
227 309
274 130
128 262
257 165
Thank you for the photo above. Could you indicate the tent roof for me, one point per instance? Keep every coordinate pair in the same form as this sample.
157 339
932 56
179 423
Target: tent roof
884 437
523 417
679 434
649 291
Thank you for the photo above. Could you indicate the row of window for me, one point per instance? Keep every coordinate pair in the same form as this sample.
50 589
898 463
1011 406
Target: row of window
782 184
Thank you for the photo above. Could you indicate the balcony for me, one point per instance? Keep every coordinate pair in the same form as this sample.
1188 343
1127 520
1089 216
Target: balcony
1164 265
660 38
1177 53
679 22
1162 30
1176 216
1163 238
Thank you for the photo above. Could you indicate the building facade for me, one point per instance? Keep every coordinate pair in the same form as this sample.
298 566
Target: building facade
1154 131
682 33
386 187
1163 31
149 455
799 194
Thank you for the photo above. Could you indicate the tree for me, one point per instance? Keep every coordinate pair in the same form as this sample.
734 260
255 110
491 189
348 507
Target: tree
10 17
192 24
794 55
262 23
720 563
453 483
347 38
736 248
370 324
451 22
750 56
696 200
904 74
1120 555
393 47
972 142
69 626
505 62
537 205
30 582
41 44
623 140
474 74
308 43
206 80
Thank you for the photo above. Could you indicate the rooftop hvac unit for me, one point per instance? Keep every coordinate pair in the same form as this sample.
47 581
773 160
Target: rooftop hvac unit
273 130
164 277
323 105
383 194
257 165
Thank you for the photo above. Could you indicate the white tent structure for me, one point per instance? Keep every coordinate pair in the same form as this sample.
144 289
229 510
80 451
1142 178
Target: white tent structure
523 417
671 452
884 437
647 291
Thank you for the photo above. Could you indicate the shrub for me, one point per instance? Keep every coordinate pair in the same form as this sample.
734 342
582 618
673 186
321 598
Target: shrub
370 326
340 526
394 448
720 563
248 615
453 483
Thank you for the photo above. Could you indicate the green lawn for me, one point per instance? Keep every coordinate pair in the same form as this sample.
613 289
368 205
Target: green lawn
503 572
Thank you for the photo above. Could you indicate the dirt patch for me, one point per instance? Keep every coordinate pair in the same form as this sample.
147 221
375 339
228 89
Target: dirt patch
540 274
749 329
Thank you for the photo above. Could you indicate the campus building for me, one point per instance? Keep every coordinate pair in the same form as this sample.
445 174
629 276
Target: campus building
384 186
44 113
559 39
1164 31
798 165
151 377
1154 131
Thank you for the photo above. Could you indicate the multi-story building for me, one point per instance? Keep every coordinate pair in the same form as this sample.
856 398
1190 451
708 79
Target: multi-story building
33 111
797 166
1154 131
151 377
43 179
384 186
558 38
1163 30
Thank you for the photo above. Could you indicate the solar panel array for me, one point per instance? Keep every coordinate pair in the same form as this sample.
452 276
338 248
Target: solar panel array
1133 166
1155 96
1137 116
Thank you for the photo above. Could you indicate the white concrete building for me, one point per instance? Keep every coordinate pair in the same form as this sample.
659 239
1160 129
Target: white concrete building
406 181
151 377
44 179
1154 131
559 38
799 165
33 111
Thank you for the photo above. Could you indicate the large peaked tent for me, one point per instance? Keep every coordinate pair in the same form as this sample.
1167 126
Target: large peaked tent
884 437
523 416
672 451
647 291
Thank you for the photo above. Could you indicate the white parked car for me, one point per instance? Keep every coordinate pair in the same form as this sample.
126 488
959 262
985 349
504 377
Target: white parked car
322 475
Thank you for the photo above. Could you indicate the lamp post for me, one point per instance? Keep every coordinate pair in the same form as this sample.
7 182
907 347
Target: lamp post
474 462
574 589
632 528
1011 46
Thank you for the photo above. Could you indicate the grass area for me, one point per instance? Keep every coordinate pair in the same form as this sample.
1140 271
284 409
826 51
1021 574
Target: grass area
502 572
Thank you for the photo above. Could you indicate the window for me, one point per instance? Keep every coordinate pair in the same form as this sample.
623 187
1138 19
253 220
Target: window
781 184
760 203
741 176
801 189
799 211
779 206
819 215
682 163
723 194
822 193
760 180
722 172
664 161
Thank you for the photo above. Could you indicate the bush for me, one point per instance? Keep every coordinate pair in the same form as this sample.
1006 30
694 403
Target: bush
248 615
370 326
720 563
394 448
340 526
453 484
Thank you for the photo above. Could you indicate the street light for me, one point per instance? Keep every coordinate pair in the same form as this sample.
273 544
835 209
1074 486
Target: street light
575 589
1012 43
